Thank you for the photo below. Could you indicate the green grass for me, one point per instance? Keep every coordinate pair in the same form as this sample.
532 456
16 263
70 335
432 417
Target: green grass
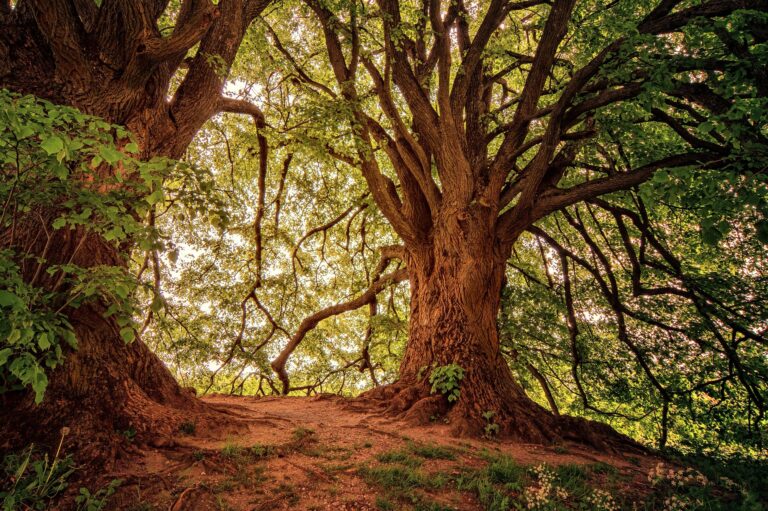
31 480
603 468
493 483
384 504
232 450
404 485
432 451
574 478
504 470
396 477
399 456
500 485
302 433
262 451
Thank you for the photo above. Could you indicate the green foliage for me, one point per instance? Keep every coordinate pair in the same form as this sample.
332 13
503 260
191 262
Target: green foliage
31 481
129 434
87 501
431 451
493 483
446 381
301 434
398 456
232 450
73 179
34 334
260 451
491 429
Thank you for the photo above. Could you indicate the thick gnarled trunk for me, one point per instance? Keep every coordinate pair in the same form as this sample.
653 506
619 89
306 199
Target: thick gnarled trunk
112 61
106 388
456 284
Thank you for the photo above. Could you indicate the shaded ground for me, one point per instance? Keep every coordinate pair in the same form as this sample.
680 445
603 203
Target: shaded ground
320 453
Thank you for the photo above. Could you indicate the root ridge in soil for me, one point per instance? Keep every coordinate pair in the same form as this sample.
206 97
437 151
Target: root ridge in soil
516 418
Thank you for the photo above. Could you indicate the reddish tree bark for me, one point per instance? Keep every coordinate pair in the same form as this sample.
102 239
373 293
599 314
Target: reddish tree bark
112 61
465 185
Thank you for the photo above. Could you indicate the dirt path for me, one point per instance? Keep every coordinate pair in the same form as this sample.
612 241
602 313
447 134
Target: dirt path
321 454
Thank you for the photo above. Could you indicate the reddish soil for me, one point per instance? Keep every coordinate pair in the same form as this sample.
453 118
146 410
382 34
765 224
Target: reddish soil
307 454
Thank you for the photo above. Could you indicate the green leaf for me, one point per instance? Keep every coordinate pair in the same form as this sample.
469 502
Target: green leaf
110 155
24 132
43 341
8 299
4 355
128 334
14 336
52 145
156 305
39 383
155 197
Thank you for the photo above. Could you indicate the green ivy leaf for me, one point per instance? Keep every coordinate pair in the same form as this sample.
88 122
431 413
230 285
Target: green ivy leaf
155 197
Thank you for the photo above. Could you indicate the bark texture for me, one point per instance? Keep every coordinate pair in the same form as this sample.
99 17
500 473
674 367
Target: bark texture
465 186
456 284
112 61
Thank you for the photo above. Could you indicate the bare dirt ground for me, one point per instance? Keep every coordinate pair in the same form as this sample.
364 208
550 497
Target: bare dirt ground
322 454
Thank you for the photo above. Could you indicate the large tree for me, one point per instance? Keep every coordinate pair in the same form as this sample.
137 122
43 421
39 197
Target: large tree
158 68
475 120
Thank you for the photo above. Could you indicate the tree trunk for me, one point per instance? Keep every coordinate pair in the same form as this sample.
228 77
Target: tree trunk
112 62
107 388
456 284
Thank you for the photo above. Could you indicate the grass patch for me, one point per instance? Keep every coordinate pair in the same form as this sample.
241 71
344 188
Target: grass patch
383 504
603 468
301 433
574 479
261 451
399 456
432 451
394 478
403 485
504 470
712 483
493 483
232 450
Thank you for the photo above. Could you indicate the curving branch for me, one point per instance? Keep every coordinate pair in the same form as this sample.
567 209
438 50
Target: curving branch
379 284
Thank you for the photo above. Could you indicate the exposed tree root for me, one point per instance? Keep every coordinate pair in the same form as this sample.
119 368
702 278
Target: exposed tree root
515 418
108 398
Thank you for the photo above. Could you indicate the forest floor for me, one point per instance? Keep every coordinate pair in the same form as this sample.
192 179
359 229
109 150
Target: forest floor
322 454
